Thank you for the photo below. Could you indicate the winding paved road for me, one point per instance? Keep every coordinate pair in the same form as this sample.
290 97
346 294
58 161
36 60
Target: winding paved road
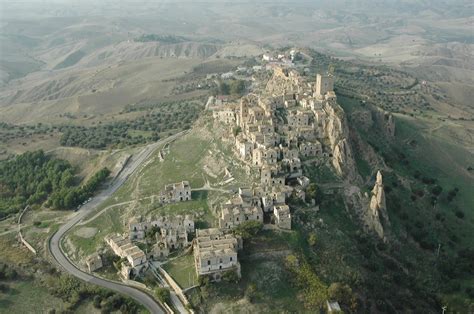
55 242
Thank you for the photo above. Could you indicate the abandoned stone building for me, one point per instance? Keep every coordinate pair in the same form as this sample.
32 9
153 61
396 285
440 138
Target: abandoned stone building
170 233
227 115
175 238
93 262
137 226
159 251
215 253
176 192
232 217
122 247
282 216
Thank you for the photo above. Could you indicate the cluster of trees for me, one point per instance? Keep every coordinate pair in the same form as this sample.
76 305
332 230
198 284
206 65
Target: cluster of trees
122 133
71 197
167 39
231 87
388 88
313 193
74 291
248 229
315 292
31 178
7 272
10 131
163 294
34 177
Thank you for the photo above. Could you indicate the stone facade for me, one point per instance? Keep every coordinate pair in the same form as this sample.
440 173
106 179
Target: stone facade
137 226
94 262
122 247
176 192
215 253
171 233
282 216
232 217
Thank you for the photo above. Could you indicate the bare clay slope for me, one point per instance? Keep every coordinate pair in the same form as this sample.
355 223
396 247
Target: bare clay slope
91 91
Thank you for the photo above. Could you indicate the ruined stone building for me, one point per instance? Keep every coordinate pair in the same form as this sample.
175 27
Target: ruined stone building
175 238
94 262
232 217
215 253
176 192
282 216
122 247
138 226
171 232
159 251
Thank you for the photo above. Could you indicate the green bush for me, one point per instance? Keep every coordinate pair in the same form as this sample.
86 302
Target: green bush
163 294
248 229
230 276
315 292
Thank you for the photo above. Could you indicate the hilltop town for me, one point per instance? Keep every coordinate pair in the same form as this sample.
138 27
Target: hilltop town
273 132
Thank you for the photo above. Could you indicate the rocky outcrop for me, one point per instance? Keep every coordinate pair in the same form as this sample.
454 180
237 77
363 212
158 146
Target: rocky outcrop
377 201
337 132
377 212
384 121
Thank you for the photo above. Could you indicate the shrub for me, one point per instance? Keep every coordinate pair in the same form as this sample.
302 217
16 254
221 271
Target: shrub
251 291
163 294
436 190
203 280
312 239
230 276
248 229
341 293
97 301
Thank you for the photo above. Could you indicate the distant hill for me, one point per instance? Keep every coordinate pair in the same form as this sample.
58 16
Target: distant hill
70 60
165 39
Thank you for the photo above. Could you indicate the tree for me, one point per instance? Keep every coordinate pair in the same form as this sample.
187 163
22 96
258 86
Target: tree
237 130
251 291
312 239
313 193
436 190
163 294
97 301
224 88
203 280
248 229
230 276
237 87
291 261
341 293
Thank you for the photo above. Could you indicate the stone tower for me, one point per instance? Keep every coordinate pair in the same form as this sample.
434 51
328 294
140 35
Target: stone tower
244 111
324 84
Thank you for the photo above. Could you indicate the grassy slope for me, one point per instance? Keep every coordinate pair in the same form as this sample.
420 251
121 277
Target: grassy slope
183 271
420 145
184 161
25 296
